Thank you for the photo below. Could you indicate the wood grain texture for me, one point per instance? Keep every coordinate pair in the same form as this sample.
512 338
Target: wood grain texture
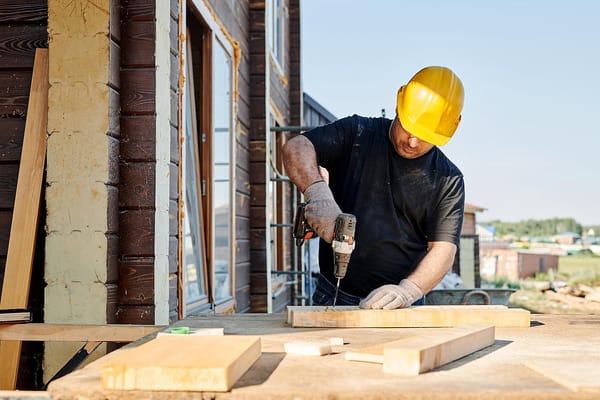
415 354
210 363
424 353
23 11
415 317
579 374
21 246
76 333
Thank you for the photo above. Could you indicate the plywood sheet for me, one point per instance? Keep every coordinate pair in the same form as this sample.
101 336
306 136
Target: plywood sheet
183 363
414 317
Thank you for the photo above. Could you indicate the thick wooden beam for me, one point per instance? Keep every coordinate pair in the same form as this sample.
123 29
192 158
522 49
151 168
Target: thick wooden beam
416 354
413 317
210 363
19 261
424 353
76 333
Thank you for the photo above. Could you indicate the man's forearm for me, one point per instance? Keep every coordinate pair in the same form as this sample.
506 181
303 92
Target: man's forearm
300 162
432 268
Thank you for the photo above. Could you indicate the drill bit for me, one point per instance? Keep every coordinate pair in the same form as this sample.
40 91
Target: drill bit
337 289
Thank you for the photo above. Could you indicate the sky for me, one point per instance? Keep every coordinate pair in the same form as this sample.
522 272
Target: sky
529 140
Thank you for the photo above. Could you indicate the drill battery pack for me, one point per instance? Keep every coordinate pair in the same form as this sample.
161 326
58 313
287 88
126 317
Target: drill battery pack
302 231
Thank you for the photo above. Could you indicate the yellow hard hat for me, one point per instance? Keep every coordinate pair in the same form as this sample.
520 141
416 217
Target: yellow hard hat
429 105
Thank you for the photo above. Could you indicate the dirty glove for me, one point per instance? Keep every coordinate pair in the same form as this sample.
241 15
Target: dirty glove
321 209
389 297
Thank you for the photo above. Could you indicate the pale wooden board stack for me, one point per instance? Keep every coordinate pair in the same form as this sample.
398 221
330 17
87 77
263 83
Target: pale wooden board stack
183 363
414 317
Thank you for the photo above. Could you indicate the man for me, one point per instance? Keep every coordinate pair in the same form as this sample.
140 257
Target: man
407 196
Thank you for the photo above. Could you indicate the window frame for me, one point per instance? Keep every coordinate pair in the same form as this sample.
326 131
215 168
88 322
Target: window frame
211 36
277 17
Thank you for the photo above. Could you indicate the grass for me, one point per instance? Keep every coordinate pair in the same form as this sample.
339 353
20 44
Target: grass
572 269
580 269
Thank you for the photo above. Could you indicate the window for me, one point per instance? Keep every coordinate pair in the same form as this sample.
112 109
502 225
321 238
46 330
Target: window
221 173
276 32
207 168
194 262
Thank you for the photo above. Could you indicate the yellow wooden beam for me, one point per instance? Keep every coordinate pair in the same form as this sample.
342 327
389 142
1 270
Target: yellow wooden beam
413 317
76 333
21 246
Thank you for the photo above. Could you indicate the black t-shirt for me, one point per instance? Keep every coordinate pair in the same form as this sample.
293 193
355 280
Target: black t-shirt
400 204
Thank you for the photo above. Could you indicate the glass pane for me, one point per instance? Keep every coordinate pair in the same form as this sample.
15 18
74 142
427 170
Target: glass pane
221 184
193 253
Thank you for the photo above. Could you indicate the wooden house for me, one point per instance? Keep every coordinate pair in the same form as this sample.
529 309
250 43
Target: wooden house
164 191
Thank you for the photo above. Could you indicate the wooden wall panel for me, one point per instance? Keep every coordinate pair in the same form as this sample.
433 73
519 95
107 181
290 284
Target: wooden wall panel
17 43
5 222
138 163
15 86
143 315
138 44
138 10
8 185
24 11
138 91
11 139
137 139
136 282
137 185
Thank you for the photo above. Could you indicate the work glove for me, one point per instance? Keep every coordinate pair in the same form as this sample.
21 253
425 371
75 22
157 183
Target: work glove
321 209
389 297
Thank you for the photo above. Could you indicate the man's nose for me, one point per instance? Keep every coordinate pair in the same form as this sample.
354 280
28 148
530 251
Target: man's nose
413 141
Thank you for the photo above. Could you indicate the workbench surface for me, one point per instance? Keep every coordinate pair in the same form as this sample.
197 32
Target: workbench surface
568 346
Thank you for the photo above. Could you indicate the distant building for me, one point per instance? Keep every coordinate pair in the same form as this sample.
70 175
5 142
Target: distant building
499 261
487 233
466 261
567 238
314 114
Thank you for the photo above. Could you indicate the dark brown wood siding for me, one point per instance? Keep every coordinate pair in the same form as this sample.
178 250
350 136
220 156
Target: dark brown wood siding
137 164
137 182
257 54
235 17
23 28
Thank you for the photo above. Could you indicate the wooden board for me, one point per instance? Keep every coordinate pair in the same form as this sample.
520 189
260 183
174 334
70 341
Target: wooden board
423 353
183 363
414 317
76 333
21 246
580 374
441 345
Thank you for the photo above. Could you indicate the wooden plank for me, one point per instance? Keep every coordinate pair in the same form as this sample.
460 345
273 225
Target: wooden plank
21 246
76 333
415 354
424 353
211 363
413 317
578 373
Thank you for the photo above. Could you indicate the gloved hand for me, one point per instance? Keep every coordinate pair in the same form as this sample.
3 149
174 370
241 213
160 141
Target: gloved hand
389 297
321 209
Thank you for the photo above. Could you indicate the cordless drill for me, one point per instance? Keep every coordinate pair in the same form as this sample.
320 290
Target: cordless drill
342 244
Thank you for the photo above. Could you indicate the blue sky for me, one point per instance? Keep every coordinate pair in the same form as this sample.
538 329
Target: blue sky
529 141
